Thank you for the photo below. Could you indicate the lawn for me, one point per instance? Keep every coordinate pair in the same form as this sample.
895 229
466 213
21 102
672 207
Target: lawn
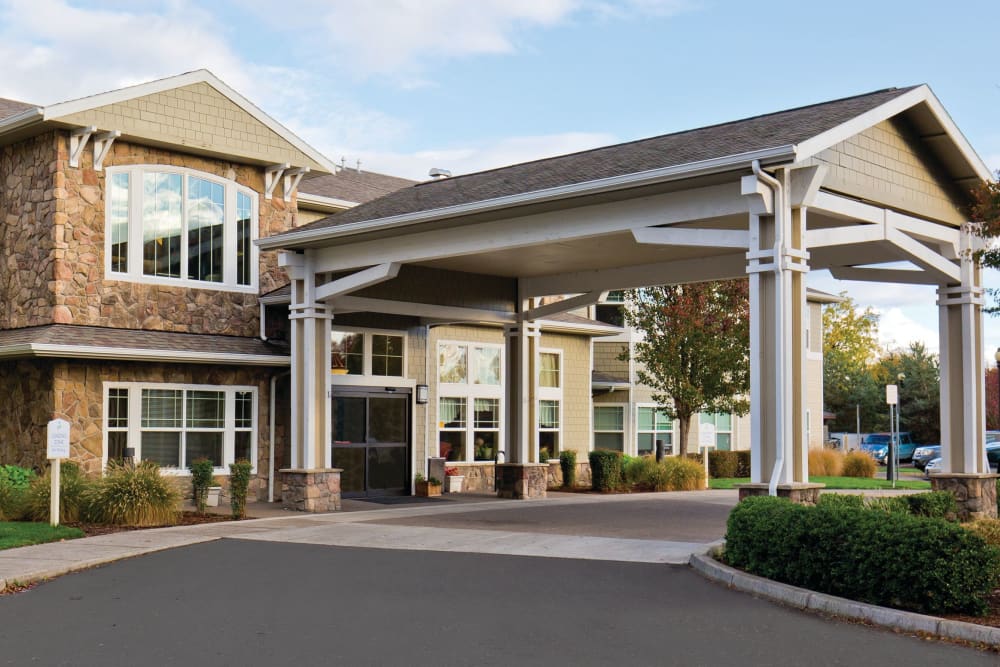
22 533
860 483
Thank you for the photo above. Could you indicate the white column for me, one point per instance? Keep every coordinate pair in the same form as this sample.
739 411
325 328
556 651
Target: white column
521 426
963 402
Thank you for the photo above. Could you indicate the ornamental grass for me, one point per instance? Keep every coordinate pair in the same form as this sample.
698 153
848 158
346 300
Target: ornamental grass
825 462
134 495
858 464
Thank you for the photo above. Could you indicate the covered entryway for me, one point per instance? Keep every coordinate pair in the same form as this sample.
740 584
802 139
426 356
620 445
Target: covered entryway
371 440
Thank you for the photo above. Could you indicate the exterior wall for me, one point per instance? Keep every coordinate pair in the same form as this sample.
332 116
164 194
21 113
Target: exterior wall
606 358
814 375
32 203
197 116
28 401
82 294
887 164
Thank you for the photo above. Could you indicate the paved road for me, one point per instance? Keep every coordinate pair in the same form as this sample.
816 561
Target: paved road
236 602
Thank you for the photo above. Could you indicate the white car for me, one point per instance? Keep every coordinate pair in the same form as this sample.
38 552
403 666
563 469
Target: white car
933 466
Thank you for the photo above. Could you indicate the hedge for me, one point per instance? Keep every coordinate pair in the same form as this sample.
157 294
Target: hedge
920 564
606 472
725 464
567 462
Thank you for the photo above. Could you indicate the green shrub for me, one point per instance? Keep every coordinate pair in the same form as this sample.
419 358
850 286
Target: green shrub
15 482
201 478
838 500
723 464
16 477
864 555
74 488
683 474
889 504
132 494
567 462
858 464
239 484
936 504
605 470
645 474
988 529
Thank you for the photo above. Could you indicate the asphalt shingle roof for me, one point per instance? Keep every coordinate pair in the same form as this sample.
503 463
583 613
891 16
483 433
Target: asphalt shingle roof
10 108
772 130
351 185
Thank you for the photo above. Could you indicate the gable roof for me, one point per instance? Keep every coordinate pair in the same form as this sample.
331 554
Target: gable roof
350 186
781 137
10 108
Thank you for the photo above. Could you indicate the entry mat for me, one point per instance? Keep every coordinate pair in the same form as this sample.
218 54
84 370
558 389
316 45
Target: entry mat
401 500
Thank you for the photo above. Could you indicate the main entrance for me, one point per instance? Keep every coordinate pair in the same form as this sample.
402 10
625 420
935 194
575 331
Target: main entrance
371 441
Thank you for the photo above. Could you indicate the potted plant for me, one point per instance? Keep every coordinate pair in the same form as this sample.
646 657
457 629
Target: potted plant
428 487
455 479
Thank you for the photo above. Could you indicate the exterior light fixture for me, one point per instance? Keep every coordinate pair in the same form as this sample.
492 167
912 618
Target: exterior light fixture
422 394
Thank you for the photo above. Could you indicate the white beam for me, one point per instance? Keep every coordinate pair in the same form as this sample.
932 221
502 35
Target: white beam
427 310
805 185
102 144
924 257
875 275
685 236
292 178
78 139
356 281
942 235
847 208
564 306
758 194
272 176
556 226
719 267
834 236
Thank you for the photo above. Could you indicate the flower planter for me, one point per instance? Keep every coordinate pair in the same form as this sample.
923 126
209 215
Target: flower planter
212 499
427 489
455 483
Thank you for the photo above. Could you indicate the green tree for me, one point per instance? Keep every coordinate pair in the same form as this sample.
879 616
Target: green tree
919 391
694 351
985 211
850 353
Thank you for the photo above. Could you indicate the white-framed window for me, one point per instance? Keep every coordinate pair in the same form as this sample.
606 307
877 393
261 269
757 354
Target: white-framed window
369 352
175 424
609 427
177 226
653 424
470 400
723 423
550 400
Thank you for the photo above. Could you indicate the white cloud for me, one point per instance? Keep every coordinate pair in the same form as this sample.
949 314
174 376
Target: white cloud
898 328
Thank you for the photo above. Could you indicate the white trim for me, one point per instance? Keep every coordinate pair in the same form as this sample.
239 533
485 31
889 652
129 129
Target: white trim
353 304
563 306
356 281
137 354
69 107
639 431
685 236
17 121
324 204
468 391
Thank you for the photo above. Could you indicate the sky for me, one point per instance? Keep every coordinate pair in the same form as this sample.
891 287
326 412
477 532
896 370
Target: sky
406 85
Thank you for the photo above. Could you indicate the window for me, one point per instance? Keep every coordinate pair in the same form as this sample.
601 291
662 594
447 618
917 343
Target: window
469 410
548 373
175 425
550 398
609 427
368 353
171 225
610 310
723 429
548 430
653 424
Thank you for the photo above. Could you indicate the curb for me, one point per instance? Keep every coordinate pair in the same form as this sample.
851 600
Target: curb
800 598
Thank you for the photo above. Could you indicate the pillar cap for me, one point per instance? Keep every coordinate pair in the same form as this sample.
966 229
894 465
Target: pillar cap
793 486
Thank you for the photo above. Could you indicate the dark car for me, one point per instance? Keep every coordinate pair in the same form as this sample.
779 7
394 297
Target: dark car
993 455
877 446
924 453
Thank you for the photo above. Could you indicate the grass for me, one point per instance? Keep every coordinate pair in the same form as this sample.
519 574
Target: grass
833 483
24 533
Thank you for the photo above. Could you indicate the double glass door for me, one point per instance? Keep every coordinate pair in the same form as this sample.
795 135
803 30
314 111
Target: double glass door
371 441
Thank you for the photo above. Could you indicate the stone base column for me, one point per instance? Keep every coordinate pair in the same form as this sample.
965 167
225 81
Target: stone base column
521 481
803 494
976 493
315 490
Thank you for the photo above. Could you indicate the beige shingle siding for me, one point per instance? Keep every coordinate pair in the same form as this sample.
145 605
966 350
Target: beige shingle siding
576 389
606 358
887 164
199 117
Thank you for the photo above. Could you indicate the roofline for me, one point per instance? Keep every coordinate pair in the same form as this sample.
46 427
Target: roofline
58 110
139 354
818 296
324 202
649 177
17 121
596 329
911 98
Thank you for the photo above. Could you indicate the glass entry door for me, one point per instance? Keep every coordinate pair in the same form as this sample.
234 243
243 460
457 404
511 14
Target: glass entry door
371 441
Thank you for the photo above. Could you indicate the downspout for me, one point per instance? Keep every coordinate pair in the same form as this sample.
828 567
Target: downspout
270 435
779 308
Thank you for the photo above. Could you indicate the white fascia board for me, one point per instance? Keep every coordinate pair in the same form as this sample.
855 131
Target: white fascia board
922 94
876 275
650 177
323 203
276 300
134 354
20 120
596 329
60 109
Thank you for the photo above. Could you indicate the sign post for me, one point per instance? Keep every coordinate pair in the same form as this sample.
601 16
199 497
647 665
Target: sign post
57 448
706 441
892 398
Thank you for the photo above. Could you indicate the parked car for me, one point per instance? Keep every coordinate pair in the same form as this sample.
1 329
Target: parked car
924 453
877 446
933 466
992 456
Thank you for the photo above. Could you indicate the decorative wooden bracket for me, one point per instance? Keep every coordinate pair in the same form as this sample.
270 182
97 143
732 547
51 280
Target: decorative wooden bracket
272 175
292 178
78 139
102 144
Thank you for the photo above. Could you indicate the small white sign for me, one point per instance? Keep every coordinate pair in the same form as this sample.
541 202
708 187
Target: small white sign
891 394
58 439
706 435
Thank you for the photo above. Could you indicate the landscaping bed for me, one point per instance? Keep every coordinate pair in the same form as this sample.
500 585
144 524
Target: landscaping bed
857 483
186 519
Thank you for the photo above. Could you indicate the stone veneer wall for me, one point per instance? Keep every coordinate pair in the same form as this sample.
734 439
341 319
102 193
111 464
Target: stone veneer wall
78 397
30 184
26 387
82 294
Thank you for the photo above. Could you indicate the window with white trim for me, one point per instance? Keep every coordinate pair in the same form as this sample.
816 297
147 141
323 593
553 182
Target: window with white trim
723 423
609 427
550 398
653 424
174 425
369 353
177 226
470 390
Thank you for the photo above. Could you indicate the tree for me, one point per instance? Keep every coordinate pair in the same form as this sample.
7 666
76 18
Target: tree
919 391
694 351
985 212
850 351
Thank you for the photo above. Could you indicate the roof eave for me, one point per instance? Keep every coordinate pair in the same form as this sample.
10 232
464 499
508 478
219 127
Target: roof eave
139 354
21 120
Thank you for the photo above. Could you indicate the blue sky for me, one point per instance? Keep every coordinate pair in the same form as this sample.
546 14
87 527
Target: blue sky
406 85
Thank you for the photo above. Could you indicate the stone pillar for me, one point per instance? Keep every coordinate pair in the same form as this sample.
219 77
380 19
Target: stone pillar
803 494
976 493
516 478
521 481
777 266
315 490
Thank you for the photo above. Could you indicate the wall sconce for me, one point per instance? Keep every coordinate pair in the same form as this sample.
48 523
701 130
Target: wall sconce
422 394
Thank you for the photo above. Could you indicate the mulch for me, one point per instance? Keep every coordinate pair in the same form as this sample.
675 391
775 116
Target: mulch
186 519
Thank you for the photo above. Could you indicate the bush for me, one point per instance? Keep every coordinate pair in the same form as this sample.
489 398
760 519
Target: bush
858 464
683 474
725 464
988 529
605 470
567 462
14 484
16 477
239 484
645 474
132 494
864 555
841 500
825 462
201 478
74 488
935 504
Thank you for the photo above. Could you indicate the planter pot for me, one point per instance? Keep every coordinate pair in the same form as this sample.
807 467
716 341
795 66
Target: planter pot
428 489
212 499
455 483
